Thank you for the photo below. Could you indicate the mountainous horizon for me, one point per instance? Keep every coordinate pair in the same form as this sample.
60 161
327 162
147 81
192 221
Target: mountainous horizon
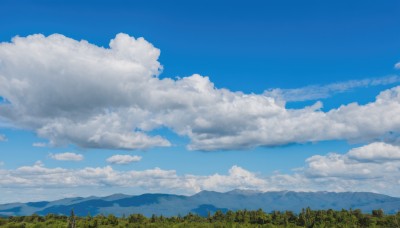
206 202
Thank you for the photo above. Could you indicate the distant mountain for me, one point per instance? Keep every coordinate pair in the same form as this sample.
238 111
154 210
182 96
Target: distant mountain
205 202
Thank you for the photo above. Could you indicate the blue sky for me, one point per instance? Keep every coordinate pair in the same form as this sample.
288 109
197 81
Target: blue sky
270 65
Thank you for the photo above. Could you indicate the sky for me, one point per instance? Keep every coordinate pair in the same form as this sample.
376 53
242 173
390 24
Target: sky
104 97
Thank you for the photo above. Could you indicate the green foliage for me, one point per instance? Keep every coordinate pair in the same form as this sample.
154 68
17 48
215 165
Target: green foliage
72 220
233 219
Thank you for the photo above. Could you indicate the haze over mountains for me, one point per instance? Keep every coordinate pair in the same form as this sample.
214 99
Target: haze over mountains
206 201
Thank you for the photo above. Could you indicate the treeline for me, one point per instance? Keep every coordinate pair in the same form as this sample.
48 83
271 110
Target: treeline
240 218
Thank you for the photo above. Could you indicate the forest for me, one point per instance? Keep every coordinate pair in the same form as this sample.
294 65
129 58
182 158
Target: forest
240 218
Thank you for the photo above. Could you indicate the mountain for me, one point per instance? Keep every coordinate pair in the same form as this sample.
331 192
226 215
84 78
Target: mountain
206 201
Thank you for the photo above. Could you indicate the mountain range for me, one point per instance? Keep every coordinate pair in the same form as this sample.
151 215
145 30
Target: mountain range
204 202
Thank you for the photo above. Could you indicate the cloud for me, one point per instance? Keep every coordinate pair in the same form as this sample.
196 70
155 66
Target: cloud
75 92
375 152
332 172
68 156
123 159
3 138
78 92
315 92
374 167
375 160
397 65
237 178
39 144
151 180
261 122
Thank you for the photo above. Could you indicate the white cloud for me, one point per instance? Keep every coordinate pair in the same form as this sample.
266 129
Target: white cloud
315 92
237 178
67 156
374 167
149 180
3 138
375 160
397 65
75 92
376 152
71 91
332 172
39 144
123 159
263 122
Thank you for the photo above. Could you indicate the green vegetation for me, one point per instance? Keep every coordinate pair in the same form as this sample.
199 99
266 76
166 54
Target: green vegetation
240 218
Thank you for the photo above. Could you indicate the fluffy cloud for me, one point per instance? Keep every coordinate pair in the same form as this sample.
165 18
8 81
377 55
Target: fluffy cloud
373 167
397 66
375 160
237 178
376 152
3 138
72 91
150 180
68 156
123 159
333 172
261 121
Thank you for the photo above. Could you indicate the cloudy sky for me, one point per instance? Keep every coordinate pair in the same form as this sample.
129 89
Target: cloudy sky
101 97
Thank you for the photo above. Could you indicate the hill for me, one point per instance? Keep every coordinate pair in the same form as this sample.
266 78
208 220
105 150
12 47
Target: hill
206 201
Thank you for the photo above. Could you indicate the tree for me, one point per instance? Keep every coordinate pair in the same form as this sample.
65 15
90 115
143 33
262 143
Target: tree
230 216
377 213
71 220
218 216
112 220
310 219
137 218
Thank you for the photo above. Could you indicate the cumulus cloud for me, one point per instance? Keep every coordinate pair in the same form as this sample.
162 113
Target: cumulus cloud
375 160
72 91
75 92
67 156
373 167
264 123
376 152
315 92
333 172
123 159
397 66
237 178
151 179
3 138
